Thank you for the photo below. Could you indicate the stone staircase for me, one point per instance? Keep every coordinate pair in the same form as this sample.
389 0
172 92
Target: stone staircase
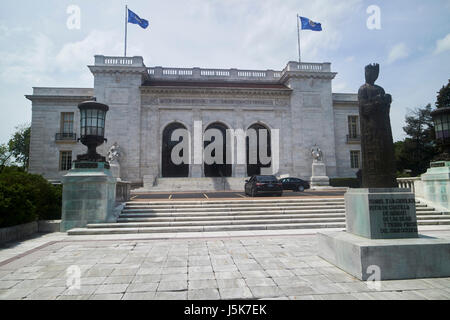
237 215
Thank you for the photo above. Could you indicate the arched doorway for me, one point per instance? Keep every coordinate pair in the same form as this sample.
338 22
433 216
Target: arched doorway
254 167
168 168
221 169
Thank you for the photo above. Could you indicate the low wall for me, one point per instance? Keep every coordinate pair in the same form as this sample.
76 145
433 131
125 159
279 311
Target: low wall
123 190
22 231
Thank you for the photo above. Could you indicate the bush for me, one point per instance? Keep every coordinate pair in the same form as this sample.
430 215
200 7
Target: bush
27 197
344 182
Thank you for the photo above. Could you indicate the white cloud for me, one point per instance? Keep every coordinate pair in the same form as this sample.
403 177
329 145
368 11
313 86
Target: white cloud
443 44
27 62
76 55
398 52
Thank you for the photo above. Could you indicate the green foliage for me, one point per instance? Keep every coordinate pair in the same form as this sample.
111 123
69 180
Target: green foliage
27 197
418 148
5 156
344 182
443 98
19 145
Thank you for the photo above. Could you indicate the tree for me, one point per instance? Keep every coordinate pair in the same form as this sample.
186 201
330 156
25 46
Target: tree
418 148
5 156
19 145
443 98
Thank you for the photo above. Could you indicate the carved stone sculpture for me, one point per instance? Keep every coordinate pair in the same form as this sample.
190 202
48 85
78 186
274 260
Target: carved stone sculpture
378 163
114 153
317 154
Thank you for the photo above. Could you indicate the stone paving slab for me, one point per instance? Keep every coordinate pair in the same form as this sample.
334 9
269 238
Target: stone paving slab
243 266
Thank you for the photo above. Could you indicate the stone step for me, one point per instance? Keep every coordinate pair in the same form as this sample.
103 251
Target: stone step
235 209
216 223
231 217
432 217
223 213
231 202
98 231
434 222
252 205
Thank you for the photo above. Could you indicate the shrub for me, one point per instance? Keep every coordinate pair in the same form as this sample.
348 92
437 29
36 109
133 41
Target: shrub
26 197
344 182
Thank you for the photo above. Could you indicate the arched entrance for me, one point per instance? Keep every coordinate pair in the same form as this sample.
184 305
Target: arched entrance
221 169
168 168
254 167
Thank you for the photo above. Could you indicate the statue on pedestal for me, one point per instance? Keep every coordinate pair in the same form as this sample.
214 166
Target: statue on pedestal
317 154
319 173
378 162
114 155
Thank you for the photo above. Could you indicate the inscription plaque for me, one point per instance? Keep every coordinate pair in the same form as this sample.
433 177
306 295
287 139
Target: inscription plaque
381 213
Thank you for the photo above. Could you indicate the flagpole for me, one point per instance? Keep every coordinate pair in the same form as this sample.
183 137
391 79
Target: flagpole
298 35
126 29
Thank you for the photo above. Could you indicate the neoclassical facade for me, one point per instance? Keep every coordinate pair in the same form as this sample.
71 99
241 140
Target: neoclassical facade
148 104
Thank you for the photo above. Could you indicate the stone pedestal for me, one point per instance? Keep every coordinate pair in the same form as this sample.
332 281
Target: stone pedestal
115 170
88 196
422 257
319 176
388 213
436 183
381 234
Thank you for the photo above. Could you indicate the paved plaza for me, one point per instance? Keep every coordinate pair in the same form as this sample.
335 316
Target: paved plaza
233 265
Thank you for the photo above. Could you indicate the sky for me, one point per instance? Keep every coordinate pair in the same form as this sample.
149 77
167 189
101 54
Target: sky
412 43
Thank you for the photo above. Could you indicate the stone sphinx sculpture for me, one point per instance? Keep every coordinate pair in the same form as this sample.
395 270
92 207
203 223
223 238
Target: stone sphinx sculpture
378 163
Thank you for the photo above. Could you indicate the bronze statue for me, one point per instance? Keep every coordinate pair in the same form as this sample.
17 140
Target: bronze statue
378 162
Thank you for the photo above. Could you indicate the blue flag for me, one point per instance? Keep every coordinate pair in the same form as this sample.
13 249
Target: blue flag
308 24
134 18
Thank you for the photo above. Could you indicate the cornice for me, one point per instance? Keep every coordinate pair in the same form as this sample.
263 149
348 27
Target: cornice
307 75
118 69
40 98
216 91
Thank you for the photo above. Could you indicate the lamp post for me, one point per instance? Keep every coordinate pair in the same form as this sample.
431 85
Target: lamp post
92 132
441 119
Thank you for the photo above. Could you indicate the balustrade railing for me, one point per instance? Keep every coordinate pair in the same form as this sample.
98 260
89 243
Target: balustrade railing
408 183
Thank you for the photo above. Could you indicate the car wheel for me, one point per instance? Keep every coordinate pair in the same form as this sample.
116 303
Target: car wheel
301 188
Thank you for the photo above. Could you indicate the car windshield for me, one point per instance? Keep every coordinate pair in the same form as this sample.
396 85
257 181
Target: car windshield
267 178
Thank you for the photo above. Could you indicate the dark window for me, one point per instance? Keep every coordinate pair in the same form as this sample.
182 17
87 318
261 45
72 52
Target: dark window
65 160
354 159
66 122
353 127
266 178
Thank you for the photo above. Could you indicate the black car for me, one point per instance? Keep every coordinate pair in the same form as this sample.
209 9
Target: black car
263 184
294 184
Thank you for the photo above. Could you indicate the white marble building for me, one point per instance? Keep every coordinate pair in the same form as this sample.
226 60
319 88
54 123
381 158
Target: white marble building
144 102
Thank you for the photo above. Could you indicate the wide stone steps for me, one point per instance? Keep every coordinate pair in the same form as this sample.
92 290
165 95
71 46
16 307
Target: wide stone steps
231 217
88 231
237 215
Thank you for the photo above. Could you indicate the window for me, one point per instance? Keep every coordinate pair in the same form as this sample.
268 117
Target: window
65 160
66 122
354 159
353 127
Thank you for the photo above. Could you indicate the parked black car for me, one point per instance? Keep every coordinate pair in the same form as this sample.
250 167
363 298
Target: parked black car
263 184
294 184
